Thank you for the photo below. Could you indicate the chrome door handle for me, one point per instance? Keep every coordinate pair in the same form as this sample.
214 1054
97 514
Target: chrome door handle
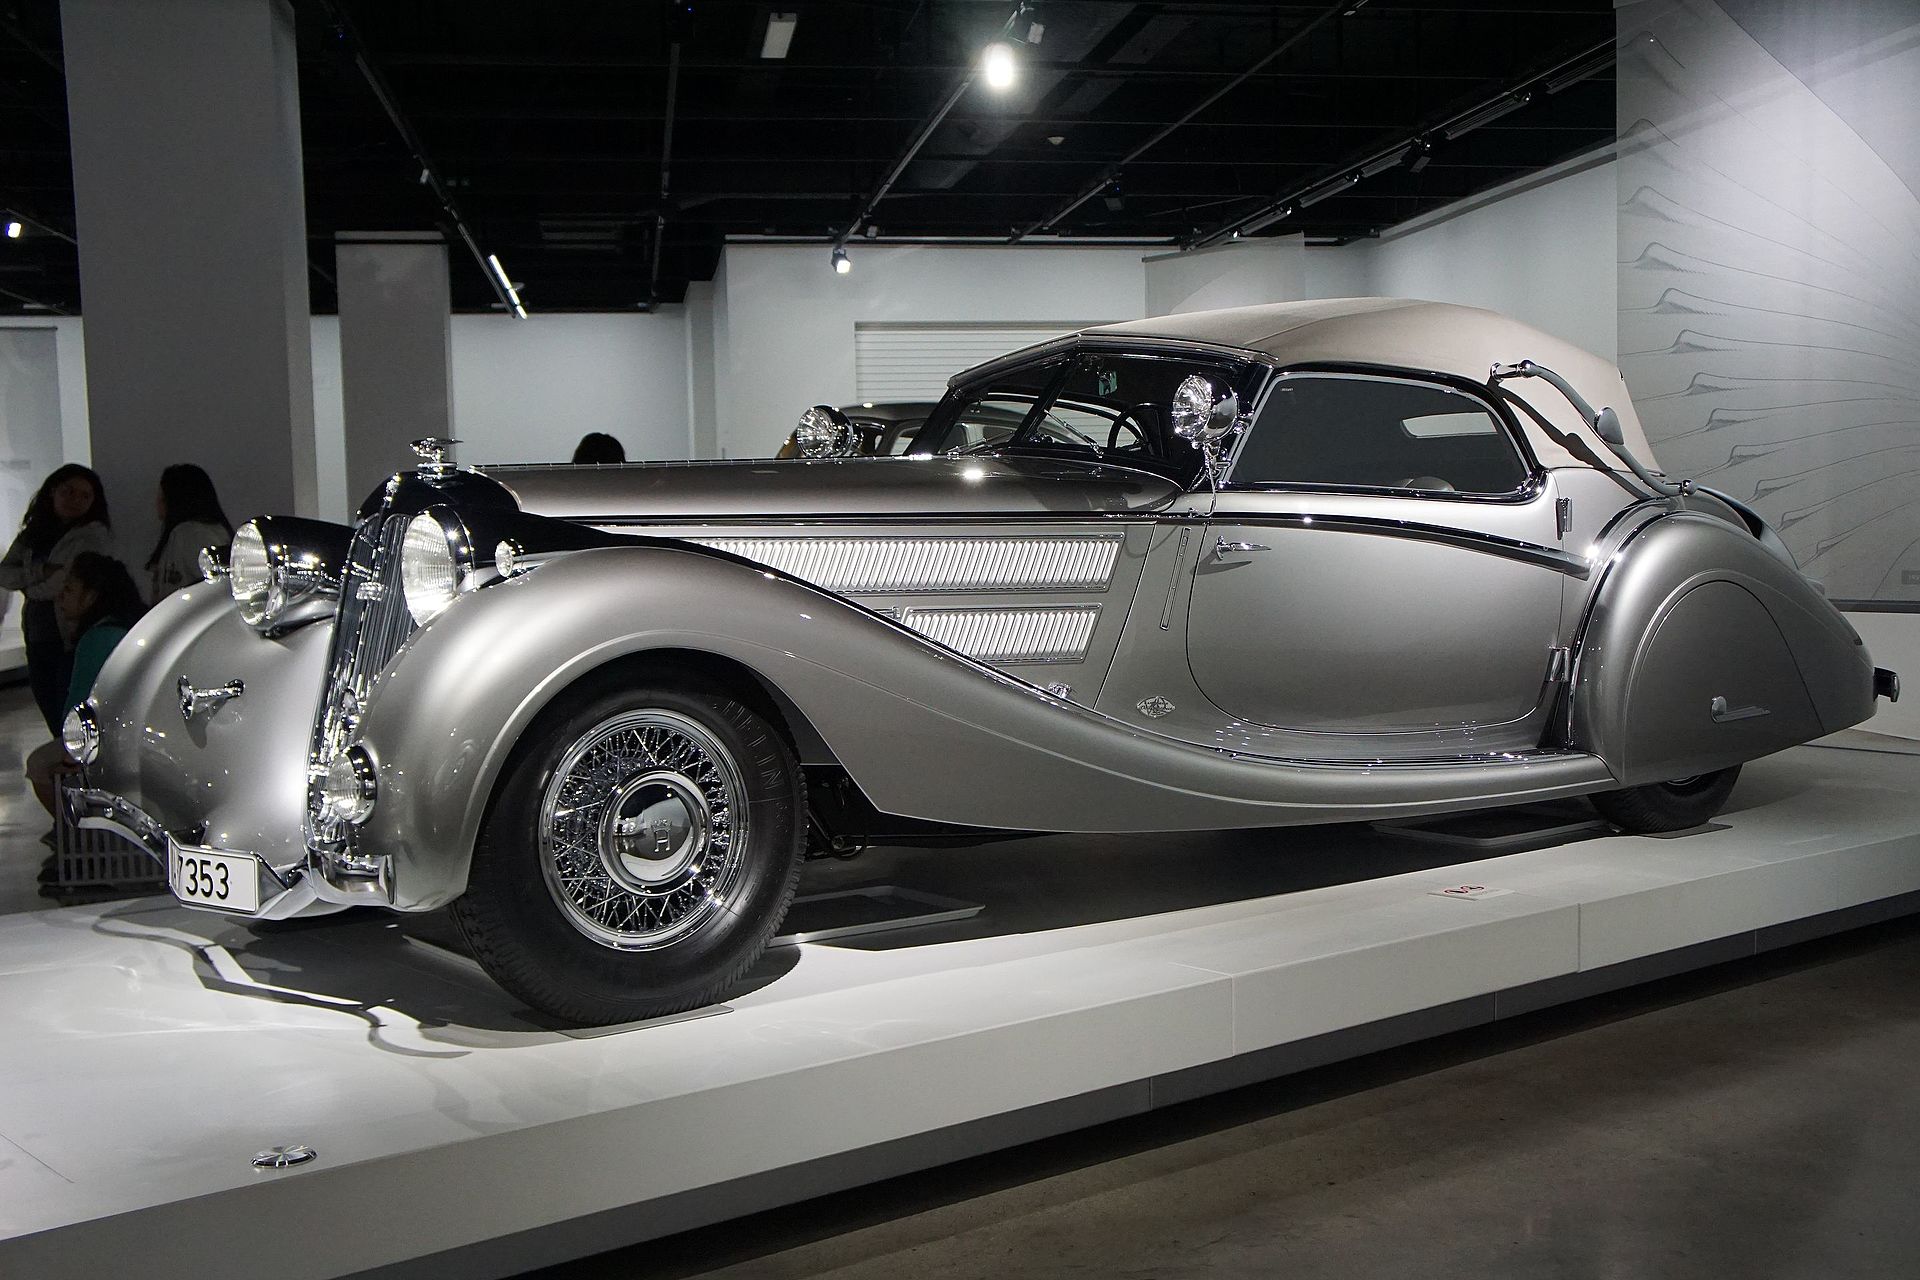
1222 547
194 701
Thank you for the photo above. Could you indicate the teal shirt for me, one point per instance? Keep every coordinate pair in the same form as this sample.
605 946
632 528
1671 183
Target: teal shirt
88 657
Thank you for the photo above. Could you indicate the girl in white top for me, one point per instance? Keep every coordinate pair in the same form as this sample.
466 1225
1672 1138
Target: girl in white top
190 521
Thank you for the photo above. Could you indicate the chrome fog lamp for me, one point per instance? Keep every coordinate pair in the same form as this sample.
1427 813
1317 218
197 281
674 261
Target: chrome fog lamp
213 563
250 574
429 567
81 733
348 791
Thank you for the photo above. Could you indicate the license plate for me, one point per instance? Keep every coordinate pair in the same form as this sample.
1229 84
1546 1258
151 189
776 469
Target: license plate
230 881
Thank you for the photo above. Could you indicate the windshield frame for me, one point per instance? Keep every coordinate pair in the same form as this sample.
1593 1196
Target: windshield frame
1242 371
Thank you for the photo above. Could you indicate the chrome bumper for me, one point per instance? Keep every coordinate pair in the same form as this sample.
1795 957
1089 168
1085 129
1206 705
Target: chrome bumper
309 889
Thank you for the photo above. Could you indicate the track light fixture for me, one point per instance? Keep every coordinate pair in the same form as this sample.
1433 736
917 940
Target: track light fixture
1486 115
13 230
513 290
842 264
1420 156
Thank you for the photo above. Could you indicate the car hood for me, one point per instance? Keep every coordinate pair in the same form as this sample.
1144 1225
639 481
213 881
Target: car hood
681 491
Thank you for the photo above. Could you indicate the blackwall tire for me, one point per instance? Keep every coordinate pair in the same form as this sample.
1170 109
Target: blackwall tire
1668 806
641 849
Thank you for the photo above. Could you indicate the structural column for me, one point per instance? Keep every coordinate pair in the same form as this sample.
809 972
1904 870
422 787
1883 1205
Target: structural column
185 122
396 349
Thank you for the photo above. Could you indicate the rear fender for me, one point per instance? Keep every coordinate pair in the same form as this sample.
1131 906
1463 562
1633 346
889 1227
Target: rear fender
1704 649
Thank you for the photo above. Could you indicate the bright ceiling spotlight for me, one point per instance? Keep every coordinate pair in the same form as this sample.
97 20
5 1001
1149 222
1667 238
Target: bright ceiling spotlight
13 230
999 65
841 262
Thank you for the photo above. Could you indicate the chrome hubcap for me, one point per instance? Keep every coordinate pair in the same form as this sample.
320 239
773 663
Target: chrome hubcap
642 829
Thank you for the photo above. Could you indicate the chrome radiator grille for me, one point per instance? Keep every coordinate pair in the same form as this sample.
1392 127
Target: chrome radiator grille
370 625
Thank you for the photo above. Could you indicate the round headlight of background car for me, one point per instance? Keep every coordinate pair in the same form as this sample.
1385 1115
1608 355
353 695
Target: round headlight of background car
429 569
824 432
250 573
81 733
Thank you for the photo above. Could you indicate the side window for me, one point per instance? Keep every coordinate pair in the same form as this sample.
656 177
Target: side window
1378 433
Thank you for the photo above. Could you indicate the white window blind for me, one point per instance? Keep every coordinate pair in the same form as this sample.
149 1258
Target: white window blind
912 361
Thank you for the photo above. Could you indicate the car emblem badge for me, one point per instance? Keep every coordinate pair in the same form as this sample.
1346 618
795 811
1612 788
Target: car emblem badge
1153 708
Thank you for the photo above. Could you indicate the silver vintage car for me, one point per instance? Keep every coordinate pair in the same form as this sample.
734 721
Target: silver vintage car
1301 563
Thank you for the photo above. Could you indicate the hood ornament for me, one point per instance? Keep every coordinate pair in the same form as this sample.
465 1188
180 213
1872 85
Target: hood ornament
435 454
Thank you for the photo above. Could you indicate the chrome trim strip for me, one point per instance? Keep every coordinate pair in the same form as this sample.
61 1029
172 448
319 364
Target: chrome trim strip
912 565
1057 633
1466 539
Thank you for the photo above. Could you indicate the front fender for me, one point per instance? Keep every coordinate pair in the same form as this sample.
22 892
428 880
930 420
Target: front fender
237 772
1704 649
925 732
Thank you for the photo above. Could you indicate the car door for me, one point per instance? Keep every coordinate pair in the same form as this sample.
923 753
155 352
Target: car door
1383 558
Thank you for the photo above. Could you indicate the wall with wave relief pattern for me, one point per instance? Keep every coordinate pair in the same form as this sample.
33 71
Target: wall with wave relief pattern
1769 279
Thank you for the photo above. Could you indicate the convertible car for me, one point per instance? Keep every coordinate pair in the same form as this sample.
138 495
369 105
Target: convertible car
1305 563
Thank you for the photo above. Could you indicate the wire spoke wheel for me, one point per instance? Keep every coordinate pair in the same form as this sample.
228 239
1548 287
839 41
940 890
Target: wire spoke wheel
640 850
640 829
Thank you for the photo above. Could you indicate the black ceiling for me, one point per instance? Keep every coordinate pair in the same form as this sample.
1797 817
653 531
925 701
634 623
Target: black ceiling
546 124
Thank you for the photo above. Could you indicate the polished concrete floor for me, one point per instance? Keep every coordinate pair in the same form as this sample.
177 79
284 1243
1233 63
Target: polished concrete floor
1758 1119
1761 1119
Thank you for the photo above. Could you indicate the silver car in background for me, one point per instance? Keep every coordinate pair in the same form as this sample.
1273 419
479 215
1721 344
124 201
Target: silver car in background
1304 563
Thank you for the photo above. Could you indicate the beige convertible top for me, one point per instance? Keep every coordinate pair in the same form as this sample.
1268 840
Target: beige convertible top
1434 336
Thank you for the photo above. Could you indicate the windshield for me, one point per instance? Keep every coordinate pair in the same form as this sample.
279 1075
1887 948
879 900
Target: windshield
1095 406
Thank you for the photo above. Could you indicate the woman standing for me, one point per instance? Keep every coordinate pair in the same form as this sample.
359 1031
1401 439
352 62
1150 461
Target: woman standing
190 521
66 518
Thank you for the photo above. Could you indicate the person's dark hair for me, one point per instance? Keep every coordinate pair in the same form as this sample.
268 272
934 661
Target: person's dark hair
115 597
43 526
598 446
190 498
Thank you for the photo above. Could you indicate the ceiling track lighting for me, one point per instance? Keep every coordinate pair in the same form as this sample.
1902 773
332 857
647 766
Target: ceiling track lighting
1328 190
1380 164
1589 67
1487 114
14 229
779 37
1265 220
1420 155
513 290
997 66
842 264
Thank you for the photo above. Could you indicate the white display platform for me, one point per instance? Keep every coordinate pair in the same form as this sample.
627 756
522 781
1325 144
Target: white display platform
149 1052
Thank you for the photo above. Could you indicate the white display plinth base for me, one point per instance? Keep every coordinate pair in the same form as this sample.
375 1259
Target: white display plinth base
151 1051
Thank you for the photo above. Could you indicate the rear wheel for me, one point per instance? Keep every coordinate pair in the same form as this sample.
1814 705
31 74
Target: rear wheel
1668 806
643 846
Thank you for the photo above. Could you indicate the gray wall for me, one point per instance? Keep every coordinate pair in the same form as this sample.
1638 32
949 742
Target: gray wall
1769 279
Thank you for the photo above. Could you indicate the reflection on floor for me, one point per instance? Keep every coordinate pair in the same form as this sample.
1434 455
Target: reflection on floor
22 820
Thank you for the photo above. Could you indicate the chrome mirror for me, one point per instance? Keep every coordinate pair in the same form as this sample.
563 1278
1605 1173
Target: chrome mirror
824 432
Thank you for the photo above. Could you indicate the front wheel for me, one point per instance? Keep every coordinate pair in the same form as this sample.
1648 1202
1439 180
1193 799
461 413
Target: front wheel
1668 806
643 846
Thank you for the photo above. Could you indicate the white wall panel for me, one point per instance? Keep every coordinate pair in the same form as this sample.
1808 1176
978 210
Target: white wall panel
785 323
912 361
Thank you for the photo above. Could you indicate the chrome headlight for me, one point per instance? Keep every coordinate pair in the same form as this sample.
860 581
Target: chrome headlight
348 790
432 560
285 571
81 733
250 571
